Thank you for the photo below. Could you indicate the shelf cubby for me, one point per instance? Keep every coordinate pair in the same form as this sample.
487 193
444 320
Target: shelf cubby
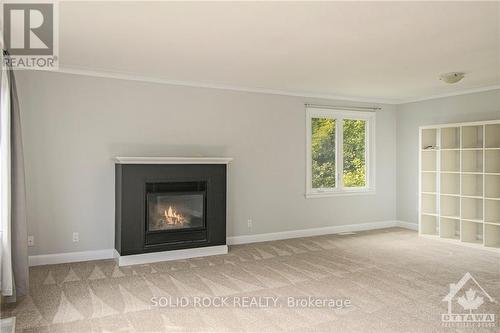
472 209
472 137
492 186
492 235
472 185
492 211
450 138
450 183
472 232
450 228
450 206
429 138
472 161
450 160
429 160
429 225
429 204
492 136
492 161
429 181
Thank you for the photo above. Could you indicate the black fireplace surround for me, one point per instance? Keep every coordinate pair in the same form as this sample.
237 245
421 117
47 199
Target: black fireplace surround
162 207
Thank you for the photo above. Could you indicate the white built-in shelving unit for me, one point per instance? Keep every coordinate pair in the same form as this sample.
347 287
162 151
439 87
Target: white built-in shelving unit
459 183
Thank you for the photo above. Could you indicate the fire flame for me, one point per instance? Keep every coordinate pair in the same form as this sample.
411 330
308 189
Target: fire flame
172 217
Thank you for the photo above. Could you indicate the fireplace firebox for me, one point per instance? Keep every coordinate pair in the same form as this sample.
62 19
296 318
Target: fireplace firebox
165 207
175 206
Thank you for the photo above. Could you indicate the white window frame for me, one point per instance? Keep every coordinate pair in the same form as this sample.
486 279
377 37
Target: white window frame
339 116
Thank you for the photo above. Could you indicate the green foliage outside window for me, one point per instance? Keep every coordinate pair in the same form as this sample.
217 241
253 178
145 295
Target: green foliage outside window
354 153
323 153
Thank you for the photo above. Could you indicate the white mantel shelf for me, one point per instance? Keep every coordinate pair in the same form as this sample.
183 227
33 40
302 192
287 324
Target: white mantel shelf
173 160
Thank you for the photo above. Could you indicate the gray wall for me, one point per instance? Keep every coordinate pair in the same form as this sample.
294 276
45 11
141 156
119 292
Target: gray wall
470 107
74 125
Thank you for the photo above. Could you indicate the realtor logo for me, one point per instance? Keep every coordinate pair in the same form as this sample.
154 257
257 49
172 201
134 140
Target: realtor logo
469 296
30 34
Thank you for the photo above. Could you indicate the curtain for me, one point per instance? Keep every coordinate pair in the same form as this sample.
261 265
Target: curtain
13 229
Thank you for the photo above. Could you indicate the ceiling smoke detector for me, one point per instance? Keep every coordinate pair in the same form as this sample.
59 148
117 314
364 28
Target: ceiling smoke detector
452 77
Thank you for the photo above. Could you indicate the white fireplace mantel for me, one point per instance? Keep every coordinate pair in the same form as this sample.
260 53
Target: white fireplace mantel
172 160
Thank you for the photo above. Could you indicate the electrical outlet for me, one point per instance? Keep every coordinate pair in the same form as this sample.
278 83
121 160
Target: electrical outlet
76 237
249 223
31 240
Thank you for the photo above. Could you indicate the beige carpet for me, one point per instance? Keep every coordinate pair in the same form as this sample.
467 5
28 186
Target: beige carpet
395 281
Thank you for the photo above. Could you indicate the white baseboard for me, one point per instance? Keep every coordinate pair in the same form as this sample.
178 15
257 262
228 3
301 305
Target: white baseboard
146 258
407 225
234 240
60 258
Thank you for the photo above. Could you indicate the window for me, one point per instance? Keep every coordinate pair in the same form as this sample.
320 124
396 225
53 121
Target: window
340 152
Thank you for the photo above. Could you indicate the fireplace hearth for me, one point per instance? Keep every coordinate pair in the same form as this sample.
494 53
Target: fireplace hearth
170 204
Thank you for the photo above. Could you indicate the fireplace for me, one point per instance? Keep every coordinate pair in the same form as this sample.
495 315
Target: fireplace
175 206
167 207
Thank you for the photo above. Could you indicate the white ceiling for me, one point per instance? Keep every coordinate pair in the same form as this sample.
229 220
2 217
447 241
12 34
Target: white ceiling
378 50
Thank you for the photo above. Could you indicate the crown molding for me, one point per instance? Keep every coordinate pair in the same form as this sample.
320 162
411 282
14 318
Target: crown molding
195 84
456 93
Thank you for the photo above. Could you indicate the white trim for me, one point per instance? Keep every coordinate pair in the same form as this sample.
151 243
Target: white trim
172 160
196 84
61 258
407 225
452 94
370 148
145 258
245 239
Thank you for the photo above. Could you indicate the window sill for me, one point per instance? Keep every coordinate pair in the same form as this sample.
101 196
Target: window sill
325 194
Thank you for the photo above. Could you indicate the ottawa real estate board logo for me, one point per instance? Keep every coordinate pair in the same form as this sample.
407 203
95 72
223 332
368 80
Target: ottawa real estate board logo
465 301
30 34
